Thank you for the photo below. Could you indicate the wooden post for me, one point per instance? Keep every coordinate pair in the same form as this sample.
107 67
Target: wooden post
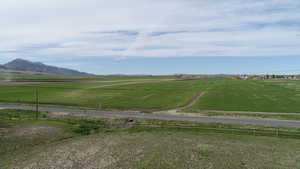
37 103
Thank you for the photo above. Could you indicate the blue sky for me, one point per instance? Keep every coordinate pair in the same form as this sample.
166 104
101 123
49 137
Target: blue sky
193 65
154 36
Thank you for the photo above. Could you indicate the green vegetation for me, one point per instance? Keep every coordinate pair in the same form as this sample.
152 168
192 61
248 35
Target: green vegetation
4 75
84 142
55 141
256 96
141 94
156 94
20 115
290 84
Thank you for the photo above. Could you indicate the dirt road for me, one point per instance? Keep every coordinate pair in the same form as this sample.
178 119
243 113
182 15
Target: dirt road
264 122
193 101
187 105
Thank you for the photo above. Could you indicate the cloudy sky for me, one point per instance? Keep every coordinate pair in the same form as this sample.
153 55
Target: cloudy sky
114 36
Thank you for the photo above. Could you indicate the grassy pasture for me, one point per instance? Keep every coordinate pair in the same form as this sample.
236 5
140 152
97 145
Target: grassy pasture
4 75
256 96
169 94
231 95
290 84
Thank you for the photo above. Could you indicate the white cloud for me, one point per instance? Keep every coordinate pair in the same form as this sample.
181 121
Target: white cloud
121 29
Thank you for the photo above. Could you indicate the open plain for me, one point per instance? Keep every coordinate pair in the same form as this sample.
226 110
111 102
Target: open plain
150 122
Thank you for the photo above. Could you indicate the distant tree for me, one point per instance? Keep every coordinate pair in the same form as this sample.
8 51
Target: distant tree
179 76
267 77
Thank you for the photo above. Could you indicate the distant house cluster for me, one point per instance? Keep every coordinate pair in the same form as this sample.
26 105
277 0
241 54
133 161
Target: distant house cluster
265 77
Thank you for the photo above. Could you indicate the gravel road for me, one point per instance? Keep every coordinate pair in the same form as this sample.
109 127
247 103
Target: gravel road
229 120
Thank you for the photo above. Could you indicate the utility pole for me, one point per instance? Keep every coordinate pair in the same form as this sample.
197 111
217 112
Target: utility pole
37 103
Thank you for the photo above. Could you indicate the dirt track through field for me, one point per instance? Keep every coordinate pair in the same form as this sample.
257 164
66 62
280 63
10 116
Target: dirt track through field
193 101
187 105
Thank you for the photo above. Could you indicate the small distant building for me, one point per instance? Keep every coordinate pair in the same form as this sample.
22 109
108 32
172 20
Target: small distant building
290 77
244 77
264 77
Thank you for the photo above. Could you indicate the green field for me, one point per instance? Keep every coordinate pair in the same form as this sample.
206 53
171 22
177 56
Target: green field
72 142
261 96
127 94
231 95
12 76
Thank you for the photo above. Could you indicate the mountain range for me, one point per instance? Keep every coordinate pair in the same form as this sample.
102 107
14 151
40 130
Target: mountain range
22 65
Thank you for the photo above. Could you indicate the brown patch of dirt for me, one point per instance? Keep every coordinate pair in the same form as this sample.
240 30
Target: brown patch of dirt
31 132
84 153
59 114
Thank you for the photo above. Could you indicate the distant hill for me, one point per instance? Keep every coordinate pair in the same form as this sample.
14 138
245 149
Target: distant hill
25 65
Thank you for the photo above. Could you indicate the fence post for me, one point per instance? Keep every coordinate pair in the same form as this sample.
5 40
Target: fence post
37 103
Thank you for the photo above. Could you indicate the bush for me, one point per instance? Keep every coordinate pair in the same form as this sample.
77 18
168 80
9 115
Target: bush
11 114
86 127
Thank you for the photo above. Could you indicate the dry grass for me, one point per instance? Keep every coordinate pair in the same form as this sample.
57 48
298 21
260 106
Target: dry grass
31 131
166 150
51 143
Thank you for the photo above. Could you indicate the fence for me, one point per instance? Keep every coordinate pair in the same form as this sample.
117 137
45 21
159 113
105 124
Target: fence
274 132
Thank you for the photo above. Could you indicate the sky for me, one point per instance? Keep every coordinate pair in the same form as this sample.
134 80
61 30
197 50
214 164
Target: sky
154 36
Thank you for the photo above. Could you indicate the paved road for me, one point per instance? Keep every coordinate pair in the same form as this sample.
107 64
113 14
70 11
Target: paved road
264 122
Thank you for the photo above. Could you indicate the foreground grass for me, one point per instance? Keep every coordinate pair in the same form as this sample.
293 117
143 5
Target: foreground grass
161 150
84 143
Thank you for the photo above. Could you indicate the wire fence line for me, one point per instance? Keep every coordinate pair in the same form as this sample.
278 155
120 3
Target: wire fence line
275 132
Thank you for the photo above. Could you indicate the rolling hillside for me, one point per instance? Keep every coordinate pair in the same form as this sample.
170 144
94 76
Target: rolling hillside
28 66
